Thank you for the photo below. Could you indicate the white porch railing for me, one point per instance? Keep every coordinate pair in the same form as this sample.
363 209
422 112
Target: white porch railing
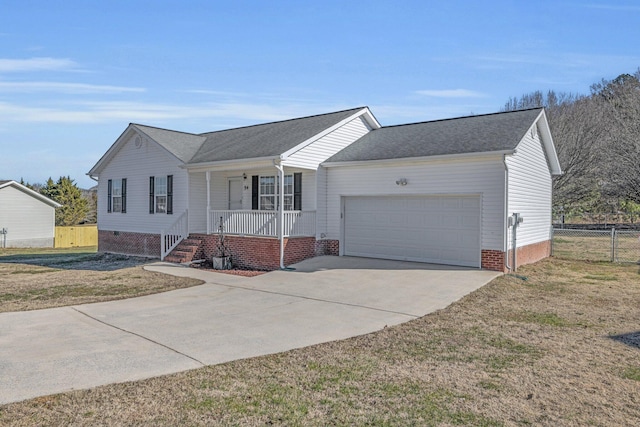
171 237
264 223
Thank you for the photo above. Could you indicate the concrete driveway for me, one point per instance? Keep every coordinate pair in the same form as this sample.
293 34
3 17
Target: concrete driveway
229 317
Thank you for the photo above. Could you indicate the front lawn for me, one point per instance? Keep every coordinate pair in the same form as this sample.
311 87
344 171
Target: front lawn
33 279
559 348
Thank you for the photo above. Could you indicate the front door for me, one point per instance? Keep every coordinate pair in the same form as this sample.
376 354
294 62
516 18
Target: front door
235 193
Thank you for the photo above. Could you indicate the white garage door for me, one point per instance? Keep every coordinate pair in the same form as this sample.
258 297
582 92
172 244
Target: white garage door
434 229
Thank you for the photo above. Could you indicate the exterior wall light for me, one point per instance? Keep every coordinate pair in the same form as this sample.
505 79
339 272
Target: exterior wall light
402 182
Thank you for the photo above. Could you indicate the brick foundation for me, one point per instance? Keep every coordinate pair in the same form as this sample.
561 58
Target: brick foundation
262 253
492 260
495 260
121 242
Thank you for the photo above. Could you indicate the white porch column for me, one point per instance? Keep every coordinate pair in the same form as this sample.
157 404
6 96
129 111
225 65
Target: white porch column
280 199
208 175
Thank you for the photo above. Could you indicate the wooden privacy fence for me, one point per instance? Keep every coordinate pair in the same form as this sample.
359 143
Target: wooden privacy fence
76 236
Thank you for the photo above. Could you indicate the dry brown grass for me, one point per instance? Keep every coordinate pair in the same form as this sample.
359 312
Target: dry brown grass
557 349
61 279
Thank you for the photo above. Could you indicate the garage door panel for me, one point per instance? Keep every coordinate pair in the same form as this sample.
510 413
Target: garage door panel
435 229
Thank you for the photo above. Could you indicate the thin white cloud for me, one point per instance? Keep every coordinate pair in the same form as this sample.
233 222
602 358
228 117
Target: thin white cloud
103 112
36 64
614 7
67 88
451 93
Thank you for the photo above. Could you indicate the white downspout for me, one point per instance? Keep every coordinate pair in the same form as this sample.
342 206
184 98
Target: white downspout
208 175
506 213
281 212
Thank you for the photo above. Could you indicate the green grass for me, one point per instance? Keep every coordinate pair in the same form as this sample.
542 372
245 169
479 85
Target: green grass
632 373
546 319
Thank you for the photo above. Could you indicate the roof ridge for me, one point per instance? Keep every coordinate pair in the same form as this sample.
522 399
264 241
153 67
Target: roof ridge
165 129
462 117
282 121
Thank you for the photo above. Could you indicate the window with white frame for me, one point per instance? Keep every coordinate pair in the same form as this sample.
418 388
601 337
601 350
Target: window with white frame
160 192
269 190
117 195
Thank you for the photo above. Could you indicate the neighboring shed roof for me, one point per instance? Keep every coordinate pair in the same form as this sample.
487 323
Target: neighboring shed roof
464 135
265 140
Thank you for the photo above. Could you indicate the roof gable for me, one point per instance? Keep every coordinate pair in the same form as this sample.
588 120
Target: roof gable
265 140
250 142
465 135
30 192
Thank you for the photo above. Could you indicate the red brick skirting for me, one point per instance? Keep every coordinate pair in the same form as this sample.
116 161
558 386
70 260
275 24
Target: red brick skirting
121 242
494 260
262 253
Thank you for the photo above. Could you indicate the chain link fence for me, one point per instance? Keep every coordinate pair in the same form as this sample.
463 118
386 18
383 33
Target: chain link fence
597 245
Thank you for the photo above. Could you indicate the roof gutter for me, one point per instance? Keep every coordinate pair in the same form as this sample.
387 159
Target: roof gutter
462 156
223 164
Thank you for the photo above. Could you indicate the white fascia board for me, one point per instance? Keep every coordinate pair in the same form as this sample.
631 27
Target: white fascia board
31 193
444 157
232 164
370 119
547 141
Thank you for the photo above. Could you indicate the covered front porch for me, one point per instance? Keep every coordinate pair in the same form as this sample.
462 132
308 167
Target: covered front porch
246 203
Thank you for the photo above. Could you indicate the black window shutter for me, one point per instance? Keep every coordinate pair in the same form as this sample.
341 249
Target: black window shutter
169 194
255 187
109 196
297 191
124 195
151 198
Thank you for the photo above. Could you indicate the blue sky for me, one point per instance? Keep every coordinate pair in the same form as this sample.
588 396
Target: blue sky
75 73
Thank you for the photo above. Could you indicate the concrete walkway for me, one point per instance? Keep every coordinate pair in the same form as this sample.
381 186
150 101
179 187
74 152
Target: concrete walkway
229 317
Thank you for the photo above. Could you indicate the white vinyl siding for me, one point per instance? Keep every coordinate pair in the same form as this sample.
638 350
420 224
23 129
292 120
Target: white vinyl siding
137 165
482 176
530 191
317 152
29 221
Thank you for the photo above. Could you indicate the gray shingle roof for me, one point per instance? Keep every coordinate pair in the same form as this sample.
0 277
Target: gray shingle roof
265 140
473 134
181 144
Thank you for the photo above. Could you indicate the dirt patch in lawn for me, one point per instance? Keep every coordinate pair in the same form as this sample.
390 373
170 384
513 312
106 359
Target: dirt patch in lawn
541 349
31 282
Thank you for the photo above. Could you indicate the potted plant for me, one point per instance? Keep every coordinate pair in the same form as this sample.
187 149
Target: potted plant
222 259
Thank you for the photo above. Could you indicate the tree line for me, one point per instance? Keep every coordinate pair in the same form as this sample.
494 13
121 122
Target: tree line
597 137
78 206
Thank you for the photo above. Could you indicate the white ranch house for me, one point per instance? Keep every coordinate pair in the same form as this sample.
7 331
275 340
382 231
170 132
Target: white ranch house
440 192
27 218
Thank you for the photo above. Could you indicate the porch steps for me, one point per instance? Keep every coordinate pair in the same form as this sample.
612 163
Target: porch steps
185 251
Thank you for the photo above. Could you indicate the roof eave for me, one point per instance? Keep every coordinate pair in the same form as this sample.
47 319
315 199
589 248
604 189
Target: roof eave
547 141
229 164
459 156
